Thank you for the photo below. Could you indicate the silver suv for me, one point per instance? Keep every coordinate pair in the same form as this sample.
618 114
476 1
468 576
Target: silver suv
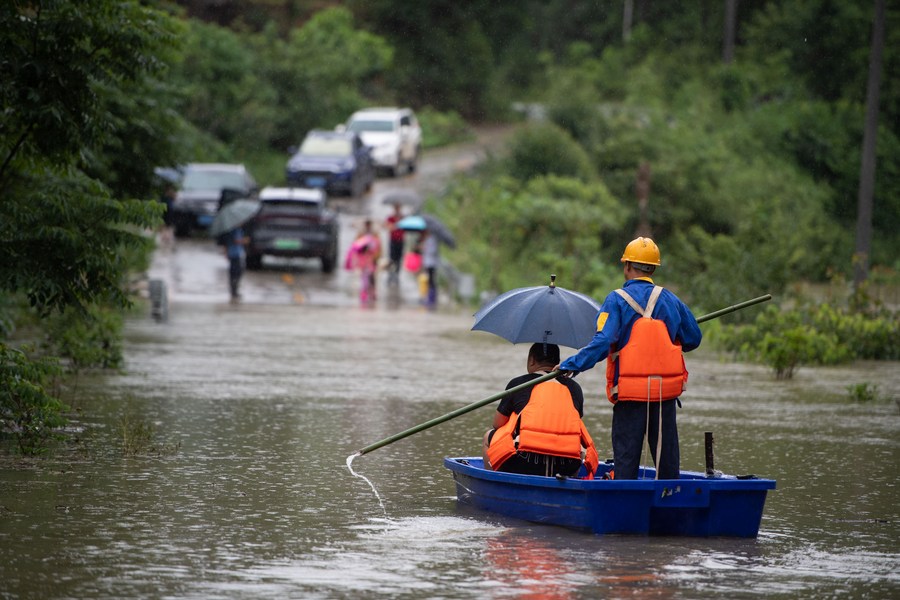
393 134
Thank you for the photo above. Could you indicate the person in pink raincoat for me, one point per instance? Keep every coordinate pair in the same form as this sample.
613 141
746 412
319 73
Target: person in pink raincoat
364 253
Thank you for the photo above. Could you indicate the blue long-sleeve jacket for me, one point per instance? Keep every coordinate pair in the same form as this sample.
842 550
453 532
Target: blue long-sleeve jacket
616 317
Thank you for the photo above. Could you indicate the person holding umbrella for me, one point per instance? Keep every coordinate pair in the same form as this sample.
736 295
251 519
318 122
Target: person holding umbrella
363 256
430 260
227 229
642 330
235 250
538 430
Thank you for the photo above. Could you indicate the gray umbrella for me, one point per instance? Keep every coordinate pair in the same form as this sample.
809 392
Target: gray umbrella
439 230
234 214
403 198
168 174
541 314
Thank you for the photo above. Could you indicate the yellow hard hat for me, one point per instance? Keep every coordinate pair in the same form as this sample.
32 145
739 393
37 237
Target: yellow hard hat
641 250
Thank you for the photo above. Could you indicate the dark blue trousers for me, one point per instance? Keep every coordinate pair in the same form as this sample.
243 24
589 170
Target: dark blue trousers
235 271
628 427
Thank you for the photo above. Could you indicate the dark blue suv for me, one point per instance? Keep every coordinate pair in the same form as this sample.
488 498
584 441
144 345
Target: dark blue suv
337 161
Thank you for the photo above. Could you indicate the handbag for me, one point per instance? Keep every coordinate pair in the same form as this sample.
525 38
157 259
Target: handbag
412 262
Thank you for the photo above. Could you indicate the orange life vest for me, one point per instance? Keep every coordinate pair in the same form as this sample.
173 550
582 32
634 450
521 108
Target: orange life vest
549 424
650 367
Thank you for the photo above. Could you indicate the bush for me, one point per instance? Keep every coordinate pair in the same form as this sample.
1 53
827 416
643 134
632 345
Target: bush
27 411
513 235
819 334
92 340
547 149
863 392
442 128
139 439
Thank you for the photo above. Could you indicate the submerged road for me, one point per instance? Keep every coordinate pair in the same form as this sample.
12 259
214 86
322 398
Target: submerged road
195 270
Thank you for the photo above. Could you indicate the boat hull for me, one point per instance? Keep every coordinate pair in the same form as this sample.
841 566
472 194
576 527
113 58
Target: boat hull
694 505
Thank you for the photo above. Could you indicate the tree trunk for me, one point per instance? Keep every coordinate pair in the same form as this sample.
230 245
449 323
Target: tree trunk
627 19
730 26
867 163
642 188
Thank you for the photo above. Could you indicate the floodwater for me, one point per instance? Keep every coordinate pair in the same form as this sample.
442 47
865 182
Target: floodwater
266 402
256 408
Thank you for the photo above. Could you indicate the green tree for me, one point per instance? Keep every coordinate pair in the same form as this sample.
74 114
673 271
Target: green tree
81 102
222 89
444 54
324 69
61 231
519 233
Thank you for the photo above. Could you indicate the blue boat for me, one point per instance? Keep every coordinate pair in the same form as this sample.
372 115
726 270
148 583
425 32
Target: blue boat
694 505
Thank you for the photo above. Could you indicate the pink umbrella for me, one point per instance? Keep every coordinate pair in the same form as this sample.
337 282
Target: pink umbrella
361 250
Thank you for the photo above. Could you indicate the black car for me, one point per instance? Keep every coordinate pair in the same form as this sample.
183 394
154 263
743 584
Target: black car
293 222
336 161
201 190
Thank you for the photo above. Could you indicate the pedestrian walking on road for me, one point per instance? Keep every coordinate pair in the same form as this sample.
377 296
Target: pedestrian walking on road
395 244
235 250
430 260
363 256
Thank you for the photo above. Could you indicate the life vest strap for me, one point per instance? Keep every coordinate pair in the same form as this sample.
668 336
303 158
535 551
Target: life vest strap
631 301
651 301
651 304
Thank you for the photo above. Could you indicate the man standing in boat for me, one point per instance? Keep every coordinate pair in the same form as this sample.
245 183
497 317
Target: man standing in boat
642 330
538 430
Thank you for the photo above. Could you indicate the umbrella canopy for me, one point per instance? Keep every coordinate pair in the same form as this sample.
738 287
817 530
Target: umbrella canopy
412 223
364 243
403 197
548 314
439 230
234 214
168 174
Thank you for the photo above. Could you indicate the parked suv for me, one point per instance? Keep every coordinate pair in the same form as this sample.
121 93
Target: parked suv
293 222
201 189
339 162
394 135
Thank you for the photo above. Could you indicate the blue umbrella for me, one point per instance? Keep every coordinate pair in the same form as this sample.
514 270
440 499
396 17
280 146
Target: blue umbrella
548 314
412 223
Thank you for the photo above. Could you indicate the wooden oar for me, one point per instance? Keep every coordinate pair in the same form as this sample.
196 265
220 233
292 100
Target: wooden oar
470 407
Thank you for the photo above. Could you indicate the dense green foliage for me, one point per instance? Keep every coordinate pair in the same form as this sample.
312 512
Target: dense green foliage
754 164
28 411
84 111
519 233
66 81
252 91
816 334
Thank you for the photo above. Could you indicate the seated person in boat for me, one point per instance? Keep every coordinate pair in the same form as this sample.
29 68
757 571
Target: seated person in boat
538 430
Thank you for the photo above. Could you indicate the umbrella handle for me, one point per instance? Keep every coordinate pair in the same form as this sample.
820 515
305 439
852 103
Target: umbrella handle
470 407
